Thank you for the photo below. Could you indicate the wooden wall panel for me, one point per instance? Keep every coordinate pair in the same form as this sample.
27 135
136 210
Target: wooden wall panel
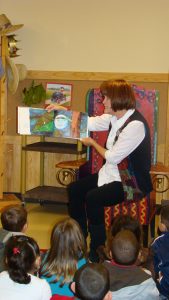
12 170
167 131
80 89
51 159
12 164
82 82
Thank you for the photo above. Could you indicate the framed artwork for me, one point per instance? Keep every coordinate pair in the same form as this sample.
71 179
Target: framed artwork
60 93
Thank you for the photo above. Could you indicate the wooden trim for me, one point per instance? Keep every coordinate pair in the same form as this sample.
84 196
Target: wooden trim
166 155
3 109
97 76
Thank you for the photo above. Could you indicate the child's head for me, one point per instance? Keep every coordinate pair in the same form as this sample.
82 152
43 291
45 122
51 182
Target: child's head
67 239
164 216
125 248
126 222
91 282
67 247
22 256
14 218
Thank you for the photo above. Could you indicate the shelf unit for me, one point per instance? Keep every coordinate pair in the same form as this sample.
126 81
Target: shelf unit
46 194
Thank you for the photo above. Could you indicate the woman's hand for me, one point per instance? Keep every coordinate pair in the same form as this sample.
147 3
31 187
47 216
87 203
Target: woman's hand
87 141
90 142
54 106
74 125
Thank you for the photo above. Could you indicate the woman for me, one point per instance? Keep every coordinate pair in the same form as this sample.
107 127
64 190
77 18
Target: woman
128 139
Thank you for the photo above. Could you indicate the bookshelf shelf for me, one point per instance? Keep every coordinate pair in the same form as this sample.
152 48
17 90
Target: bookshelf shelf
46 194
53 147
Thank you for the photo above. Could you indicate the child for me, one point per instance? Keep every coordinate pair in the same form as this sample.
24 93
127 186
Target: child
127 280
22 257
126 222
66 255
14 222
119 223
91 282
160 249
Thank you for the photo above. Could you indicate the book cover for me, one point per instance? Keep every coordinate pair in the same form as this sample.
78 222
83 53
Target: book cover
57 123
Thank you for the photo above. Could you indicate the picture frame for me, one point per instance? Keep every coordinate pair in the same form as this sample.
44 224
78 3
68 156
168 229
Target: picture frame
60 93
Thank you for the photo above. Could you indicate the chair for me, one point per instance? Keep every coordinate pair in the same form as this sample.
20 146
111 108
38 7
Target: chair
144 209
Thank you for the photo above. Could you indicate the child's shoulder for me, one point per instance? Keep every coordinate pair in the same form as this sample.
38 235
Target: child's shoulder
160 242
81 262
4 236
164 237
3 233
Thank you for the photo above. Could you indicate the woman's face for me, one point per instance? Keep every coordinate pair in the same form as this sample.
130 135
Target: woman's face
107 106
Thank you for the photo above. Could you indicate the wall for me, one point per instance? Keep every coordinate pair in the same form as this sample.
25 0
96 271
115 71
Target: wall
92 35
13 141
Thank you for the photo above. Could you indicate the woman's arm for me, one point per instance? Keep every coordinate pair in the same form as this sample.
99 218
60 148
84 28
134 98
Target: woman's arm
128 140
74 124
54 106
90 142
99 123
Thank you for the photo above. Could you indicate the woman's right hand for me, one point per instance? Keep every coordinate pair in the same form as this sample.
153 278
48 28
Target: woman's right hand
54 106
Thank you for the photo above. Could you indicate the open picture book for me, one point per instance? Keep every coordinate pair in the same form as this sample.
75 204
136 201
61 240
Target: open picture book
57 123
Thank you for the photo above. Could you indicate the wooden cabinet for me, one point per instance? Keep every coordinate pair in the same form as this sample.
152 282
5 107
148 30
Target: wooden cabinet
42 193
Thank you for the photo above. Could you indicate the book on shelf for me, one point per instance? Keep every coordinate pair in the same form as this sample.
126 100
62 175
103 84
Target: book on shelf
57 123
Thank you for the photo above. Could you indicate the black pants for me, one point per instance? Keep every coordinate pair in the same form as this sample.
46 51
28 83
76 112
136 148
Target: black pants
87 200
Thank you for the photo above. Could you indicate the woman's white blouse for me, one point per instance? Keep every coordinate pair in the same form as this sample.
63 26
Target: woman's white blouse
129 139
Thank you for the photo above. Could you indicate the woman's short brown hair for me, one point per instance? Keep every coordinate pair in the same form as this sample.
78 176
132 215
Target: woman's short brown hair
120 93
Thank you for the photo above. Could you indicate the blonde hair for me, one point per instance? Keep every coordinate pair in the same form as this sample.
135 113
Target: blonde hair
67 247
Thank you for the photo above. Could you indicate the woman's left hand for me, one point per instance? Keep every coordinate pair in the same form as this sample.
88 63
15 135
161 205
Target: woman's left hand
90 142
54 106
87 141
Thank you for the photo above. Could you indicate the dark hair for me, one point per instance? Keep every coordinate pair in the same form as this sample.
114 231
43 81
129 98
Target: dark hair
67 247
120 94
13 218
165 216
125 248
20 256
92 282
126 222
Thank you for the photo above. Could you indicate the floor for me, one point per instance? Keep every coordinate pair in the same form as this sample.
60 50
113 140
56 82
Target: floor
41 219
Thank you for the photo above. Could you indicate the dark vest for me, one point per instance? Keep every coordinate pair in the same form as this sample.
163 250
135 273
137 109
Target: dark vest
140 158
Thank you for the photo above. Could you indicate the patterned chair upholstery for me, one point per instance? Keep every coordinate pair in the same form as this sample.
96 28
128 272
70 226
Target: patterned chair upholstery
144 209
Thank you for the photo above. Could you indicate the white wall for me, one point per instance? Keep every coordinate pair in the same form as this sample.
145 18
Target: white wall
92 35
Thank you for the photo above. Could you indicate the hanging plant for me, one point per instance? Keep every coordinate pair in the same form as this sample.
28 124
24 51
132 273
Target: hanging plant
34 95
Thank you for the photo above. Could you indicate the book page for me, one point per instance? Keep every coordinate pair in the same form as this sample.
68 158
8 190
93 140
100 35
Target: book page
57 123
23 120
